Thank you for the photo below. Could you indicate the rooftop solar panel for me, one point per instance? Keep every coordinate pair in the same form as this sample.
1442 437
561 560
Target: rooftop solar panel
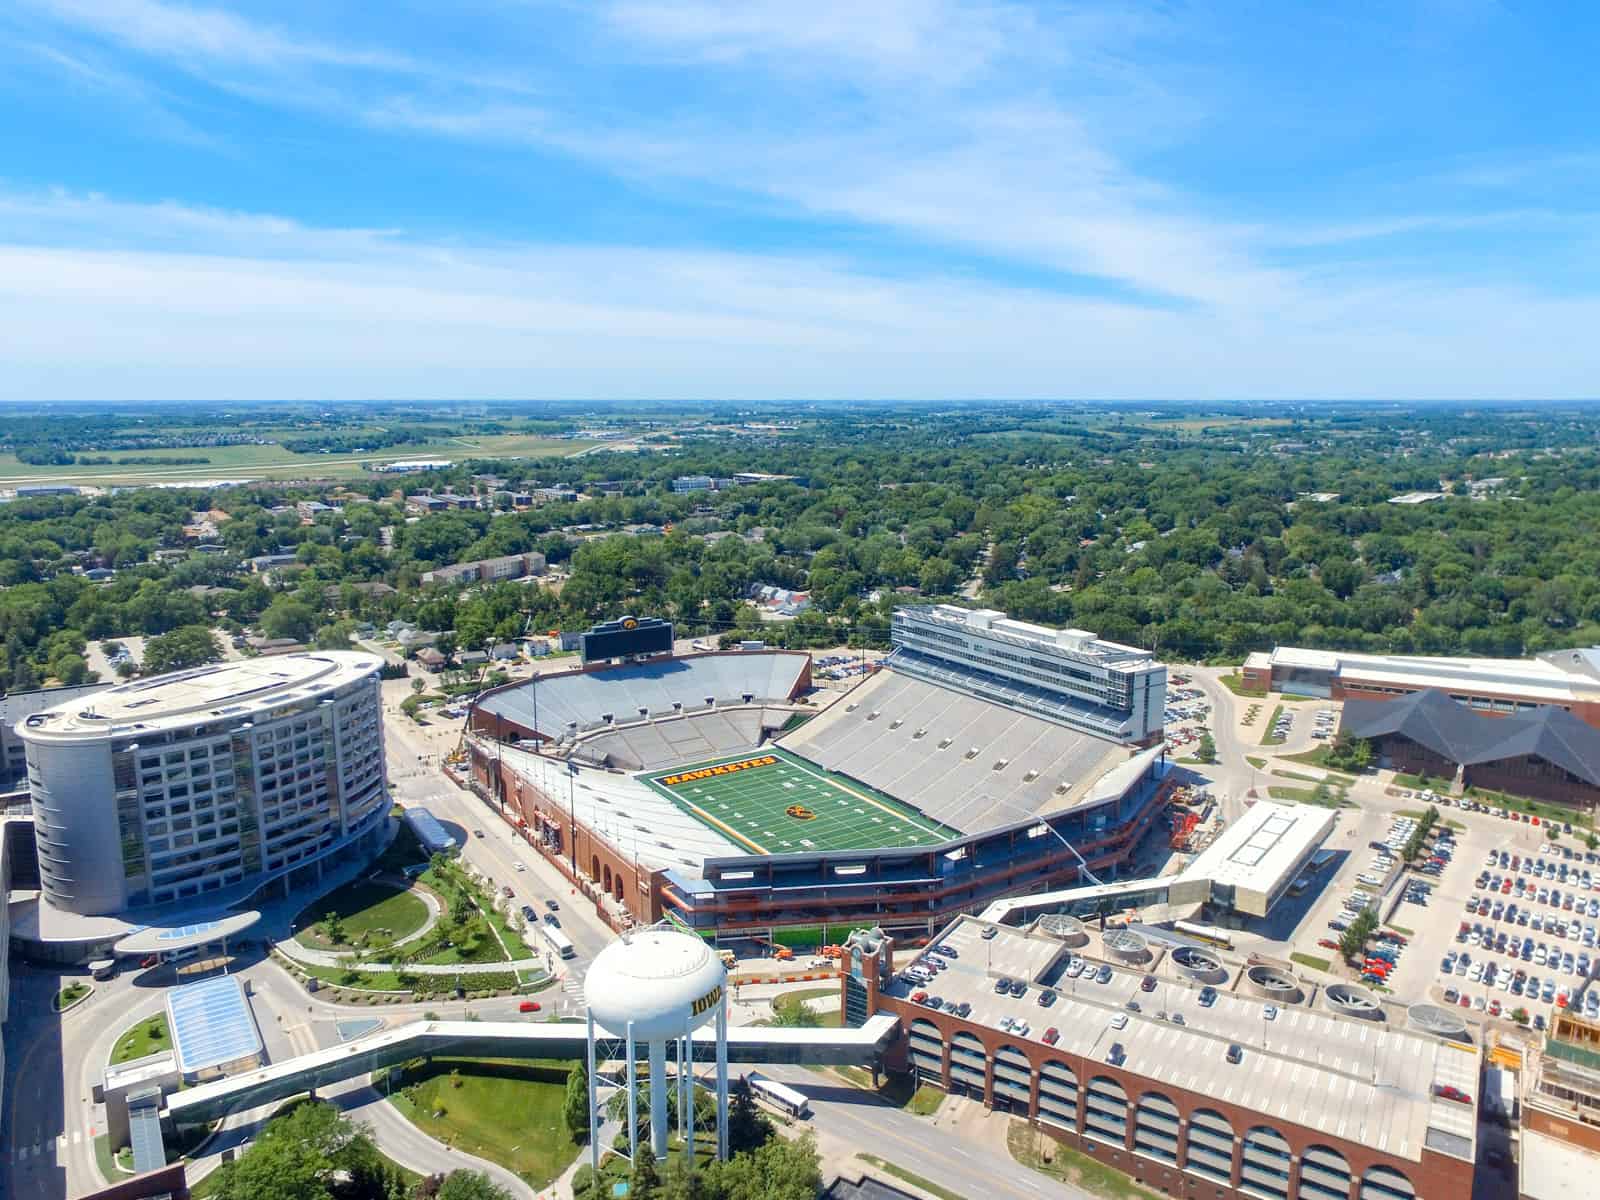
212 1024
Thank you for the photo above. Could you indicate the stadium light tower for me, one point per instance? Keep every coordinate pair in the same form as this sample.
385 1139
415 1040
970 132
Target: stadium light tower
657 985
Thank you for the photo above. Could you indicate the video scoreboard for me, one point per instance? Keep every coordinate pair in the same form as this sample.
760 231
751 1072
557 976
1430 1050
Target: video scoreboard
626 637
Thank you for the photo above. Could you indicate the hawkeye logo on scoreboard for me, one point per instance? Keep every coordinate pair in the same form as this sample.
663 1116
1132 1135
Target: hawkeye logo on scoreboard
706 1001
766 760
800 812
630 623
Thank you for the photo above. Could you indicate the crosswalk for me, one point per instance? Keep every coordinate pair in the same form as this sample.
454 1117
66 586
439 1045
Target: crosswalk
49 1149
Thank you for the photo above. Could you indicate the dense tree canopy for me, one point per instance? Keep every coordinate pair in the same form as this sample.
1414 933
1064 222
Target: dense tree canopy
1194 533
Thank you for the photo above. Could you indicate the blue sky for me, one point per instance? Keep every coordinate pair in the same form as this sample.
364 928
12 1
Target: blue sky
898 198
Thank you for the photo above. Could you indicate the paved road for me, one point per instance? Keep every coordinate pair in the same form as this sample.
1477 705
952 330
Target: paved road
847 1119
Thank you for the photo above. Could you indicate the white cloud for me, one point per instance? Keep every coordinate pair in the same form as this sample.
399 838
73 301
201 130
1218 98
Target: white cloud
187 33
276 309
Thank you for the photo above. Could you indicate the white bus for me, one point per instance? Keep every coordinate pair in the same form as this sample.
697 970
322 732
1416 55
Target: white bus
557 941
786 1098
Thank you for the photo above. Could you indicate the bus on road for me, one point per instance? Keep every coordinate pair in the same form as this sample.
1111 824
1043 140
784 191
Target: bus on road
557 941
779 1095
1208 934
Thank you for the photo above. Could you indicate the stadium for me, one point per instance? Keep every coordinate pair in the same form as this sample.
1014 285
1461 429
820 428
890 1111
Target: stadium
718 789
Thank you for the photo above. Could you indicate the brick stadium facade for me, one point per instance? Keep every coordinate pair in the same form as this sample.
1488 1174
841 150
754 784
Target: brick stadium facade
911 891
1214 1146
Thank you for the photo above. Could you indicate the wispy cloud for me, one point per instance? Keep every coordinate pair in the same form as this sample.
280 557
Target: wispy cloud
191 34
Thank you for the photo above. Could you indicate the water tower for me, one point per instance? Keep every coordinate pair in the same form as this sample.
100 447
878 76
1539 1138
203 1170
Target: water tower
657 986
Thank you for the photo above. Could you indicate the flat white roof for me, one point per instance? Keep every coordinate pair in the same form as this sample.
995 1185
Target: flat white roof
1538 677
1555 1170
201 694
1360 1081
1260 849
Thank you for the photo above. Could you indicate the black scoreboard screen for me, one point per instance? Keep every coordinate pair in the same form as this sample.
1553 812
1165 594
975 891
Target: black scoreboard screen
626 637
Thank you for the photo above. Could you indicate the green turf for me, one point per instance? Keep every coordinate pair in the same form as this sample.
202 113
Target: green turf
752 807
147 1037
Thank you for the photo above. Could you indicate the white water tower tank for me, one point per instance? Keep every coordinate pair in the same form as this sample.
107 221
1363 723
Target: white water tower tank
657 986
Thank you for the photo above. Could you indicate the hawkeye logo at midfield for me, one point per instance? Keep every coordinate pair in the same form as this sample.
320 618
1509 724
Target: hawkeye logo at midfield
800 812
766 760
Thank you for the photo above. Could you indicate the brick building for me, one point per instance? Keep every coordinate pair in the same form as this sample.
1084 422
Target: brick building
1308 1105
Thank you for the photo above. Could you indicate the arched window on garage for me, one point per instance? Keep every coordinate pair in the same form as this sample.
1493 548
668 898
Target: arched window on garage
1155 1128
1058 1095
1105 1111
1013 1078
967 1064
1385 1183
1210 1153
1324 1174
1264 1168
927 1051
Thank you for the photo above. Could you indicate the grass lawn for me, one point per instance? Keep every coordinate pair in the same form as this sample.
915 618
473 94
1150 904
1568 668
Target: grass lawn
1312 961
105 1161
71 994
1402 930
364 907
1082 1171
1235 684
1269 737
898 1090
1299 795
1255 760
147 1037
911 1177
507 1111
786 1006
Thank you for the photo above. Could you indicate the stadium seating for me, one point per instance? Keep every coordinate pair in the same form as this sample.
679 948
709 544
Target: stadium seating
965 762
578 702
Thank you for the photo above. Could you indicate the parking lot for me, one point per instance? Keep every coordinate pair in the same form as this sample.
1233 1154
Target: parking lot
1528 934
1186 714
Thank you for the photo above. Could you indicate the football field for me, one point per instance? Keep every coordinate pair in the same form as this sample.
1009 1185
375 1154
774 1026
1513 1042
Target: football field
770 802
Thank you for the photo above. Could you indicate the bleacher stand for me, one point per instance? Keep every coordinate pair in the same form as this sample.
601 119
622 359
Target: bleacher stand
963 761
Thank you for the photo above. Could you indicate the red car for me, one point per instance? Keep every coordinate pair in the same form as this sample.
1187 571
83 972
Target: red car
1447 1091
528 1006
1328 943
1051 1036
149 960
918 997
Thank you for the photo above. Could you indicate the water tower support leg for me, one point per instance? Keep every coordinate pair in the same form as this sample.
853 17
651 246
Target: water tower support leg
658 1098
594 1114
722 1079
633 1099
686 1096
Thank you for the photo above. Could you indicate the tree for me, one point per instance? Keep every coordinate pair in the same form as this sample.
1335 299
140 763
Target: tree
644 1183
748 1126
575 1105
303 1155
1206 749
418 685
333 928
186 646
470 1185
288 618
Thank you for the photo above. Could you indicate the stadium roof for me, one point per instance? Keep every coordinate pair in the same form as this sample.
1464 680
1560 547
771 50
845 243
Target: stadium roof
211 1024
1458 733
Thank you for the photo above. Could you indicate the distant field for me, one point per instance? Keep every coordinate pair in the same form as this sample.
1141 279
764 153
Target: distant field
274 462
1196 424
